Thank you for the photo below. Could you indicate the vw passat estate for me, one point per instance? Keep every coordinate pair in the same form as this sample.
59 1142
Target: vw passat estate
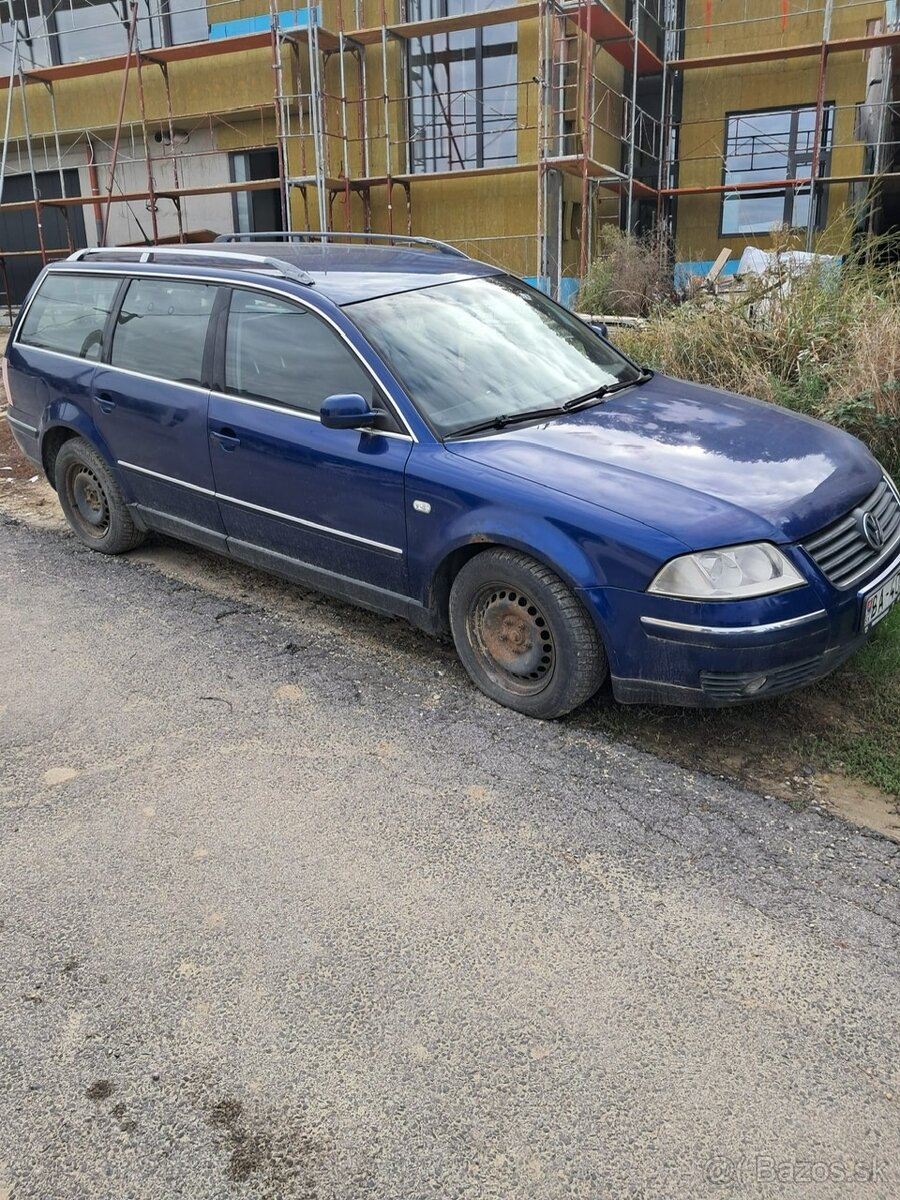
432 438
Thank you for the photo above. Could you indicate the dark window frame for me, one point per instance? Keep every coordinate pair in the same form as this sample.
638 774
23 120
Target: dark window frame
423 56
160 15
790 194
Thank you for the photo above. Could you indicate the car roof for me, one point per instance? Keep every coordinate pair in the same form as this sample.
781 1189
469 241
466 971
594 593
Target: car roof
343 272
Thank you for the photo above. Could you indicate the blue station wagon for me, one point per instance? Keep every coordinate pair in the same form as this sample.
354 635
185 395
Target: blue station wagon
428 436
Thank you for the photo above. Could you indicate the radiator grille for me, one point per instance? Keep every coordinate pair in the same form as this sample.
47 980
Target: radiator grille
843 553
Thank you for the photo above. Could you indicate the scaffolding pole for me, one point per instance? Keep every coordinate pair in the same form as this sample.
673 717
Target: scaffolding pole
817 136
14 62
632 115
151 183
280 117
132 30
36 195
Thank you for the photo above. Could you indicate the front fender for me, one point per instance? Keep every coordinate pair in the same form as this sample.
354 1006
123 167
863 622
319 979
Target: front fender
497 526
453 503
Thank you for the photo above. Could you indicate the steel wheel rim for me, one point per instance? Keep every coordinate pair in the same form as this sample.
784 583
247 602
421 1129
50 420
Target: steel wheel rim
511 639
88 501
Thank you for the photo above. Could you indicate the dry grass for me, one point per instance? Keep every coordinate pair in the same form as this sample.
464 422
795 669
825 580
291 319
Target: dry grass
629 277
824 343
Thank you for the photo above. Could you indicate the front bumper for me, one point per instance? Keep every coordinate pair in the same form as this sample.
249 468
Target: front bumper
667 651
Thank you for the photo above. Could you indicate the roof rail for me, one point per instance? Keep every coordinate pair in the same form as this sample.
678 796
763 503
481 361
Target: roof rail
311 235
189 256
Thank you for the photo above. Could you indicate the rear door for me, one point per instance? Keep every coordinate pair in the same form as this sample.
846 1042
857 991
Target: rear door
150 403
290 490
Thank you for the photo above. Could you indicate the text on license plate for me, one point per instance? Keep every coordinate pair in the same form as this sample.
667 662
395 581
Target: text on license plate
878 604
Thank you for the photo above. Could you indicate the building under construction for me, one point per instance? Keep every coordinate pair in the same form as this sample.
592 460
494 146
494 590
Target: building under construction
515 131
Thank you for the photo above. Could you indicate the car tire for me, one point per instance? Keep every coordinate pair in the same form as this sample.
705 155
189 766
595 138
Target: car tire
91 499
523 636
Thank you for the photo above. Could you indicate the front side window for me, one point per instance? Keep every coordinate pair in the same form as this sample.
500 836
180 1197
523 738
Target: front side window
69 312
463 94
478 349
773 147
161 329
280 352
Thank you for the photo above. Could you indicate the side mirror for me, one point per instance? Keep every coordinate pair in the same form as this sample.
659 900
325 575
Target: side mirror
601 328
347 412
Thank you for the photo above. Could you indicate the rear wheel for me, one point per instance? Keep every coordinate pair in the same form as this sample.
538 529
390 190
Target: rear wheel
91 500
523 636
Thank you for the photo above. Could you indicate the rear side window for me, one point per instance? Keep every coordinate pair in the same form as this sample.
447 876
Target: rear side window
278 351
161 329
68 314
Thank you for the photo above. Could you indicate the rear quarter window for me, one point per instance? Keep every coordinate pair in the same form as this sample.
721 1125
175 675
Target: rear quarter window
161 329
68 314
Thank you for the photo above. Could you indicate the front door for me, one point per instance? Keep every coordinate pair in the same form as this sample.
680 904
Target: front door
150 403
290 490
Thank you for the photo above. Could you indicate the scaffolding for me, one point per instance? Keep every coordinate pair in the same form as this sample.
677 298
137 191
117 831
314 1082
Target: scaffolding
597 125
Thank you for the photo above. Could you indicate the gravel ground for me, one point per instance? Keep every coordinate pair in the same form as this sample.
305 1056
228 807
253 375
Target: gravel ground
287 909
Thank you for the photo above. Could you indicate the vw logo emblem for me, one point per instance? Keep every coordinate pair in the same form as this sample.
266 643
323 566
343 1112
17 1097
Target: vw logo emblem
872 530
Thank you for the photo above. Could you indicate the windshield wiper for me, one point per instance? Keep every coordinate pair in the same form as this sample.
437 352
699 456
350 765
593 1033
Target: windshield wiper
530 414
607 389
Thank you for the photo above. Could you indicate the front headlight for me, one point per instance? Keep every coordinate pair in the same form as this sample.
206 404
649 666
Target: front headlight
732 573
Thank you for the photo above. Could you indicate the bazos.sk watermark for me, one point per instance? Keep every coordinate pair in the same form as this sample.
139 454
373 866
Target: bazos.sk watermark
766 1168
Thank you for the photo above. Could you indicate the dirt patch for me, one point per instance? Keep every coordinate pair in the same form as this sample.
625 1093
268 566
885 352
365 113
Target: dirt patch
777 748
774 747
284 1159
24 490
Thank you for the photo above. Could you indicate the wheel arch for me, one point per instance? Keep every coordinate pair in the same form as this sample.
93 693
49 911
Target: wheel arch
443 575
65 421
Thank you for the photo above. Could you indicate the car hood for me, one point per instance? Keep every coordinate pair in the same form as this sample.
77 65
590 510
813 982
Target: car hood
705 466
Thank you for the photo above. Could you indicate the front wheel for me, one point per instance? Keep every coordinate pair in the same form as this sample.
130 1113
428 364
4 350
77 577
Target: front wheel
523 636
91 500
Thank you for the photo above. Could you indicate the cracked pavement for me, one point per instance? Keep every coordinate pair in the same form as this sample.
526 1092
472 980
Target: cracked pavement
288 909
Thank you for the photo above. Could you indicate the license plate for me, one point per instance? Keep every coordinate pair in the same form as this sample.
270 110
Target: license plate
878 604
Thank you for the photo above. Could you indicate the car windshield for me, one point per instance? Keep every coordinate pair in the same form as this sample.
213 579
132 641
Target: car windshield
492 347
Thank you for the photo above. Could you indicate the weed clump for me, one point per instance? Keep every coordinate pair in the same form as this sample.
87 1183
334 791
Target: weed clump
825 342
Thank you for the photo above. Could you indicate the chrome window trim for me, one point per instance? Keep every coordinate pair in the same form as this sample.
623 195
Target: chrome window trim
734 630
191 387
91 362
250 285
270 512
32 429
286 410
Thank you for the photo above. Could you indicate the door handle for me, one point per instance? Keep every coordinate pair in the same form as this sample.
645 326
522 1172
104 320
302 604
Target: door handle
226 437
105 402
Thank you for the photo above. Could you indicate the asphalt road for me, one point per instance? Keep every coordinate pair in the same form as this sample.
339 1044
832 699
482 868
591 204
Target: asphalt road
287 909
